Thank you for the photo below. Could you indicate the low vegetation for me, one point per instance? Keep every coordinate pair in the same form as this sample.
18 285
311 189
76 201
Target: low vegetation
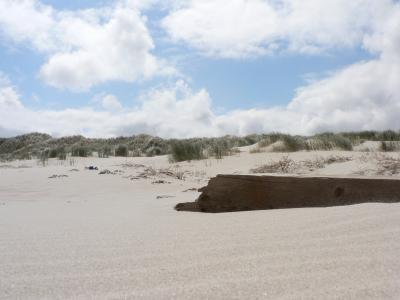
186 150
284 165
390 146
288 165
38 145
289 143
121 150
329 141
387 165
81 151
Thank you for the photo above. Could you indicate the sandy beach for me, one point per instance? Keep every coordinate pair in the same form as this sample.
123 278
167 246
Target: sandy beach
200 149
117 236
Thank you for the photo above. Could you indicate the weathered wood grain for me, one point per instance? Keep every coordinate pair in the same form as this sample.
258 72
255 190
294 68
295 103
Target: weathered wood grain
226 193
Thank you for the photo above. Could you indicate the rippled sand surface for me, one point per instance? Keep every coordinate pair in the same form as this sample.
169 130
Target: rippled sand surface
112 237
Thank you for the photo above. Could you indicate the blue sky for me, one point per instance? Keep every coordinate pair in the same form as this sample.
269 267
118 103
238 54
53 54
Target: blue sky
190 68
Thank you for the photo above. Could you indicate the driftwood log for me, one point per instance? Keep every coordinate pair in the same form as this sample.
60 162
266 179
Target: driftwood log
225 193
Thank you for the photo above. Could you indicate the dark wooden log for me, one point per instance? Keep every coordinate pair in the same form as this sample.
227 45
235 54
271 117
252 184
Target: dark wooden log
226 193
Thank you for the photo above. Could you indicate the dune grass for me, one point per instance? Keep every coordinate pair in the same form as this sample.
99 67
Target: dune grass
329 141
81 151
290 143
288 165
390 146
121 150
32 145
104 152
185 151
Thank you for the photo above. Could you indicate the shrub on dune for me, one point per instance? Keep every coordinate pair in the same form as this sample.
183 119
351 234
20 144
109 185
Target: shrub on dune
329 141
81 151
105 152
121 150
58 152
288 143
389 146
185 150
219 149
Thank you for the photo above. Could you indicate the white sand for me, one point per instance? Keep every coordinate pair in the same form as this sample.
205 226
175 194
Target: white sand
108 237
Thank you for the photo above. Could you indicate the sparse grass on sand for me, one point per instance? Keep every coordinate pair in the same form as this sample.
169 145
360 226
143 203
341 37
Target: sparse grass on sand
289 143
287 165
390 146
284 165
33 145
388 165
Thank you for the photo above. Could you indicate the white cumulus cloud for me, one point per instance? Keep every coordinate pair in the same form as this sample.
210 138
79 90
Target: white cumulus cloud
179 112
174 111
110 102
9 97
242 28
84 47
361 96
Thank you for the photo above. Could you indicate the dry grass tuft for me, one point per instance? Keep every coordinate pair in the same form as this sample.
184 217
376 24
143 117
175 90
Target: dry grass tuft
388 166
288 165
322 162
284 165
390 146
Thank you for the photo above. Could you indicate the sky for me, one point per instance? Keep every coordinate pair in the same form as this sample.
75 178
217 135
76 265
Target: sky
186 68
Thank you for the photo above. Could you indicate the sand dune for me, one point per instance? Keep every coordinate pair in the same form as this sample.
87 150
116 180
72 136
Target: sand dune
109 237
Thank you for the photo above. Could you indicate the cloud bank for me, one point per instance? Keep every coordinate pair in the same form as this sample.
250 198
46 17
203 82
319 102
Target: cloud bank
361 96
248 28
179 112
